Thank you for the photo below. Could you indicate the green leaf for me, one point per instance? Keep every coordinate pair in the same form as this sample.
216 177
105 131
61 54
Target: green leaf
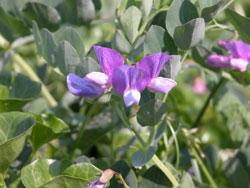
44 15
173 67
25 88
142 156
8 104
45 173
241 24
121 43
154 39
130 21
48 127
151 112
210 8
66 57
85 171
146 7
179 13
14 127
87 65
154 178
71 35
190 34
45 44
85 10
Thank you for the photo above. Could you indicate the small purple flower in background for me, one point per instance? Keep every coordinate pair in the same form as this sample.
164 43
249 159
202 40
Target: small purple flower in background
238 56
126 80
94 84
199 86
103 180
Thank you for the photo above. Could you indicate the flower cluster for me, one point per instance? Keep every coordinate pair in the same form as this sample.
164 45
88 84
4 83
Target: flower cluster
237 58
126 80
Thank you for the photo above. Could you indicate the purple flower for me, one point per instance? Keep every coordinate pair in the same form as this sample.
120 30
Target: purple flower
126 80
152 65
130 81
94 84
237 58
103 180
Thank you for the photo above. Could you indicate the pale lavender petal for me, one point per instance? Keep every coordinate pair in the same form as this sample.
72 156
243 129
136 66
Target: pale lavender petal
98 77
237 49
239 64
96 184
108 58
120 79
83 87
218 61
131 97
161 84
153 63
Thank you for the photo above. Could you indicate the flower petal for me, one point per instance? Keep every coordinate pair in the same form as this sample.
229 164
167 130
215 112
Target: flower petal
120 79
161 84
97 184
237 49
127 77
98 78
218 61
108 58
239 64
131 97
153 63
83 87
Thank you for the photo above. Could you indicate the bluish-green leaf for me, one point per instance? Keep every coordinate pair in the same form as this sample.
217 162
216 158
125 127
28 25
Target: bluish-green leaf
151 112
121 43
172 67
66 57
130 21
210 8
154 39
190 34
142 156
71 35
241 23
179 13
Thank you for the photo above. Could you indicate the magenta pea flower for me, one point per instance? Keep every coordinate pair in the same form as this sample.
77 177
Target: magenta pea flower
94 84
237 58
152 65
130 81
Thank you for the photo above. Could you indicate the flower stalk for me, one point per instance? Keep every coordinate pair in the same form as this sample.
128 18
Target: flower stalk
205 106
155 158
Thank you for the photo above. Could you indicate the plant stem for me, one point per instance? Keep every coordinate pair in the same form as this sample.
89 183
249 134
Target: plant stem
210 96
155 159
119 176
28 70
203 168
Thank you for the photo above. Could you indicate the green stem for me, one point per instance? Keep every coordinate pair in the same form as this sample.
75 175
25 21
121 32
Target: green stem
210 96
155 159
203 168
119 176
28 70
176 144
